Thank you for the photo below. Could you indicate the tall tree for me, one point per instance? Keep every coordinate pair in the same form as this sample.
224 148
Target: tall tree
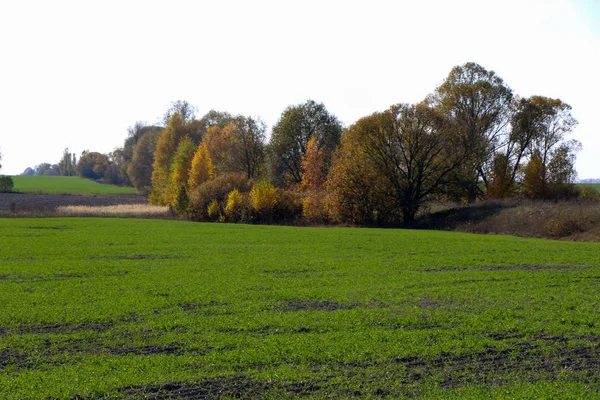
478 103
163 156
413 147
185 110
66 166
202 168
182 161
139 170
290 137
92 165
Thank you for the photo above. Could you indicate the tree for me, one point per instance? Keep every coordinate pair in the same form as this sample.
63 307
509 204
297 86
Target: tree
356 191
180 168
139 170
313 179
413 147
263 197
92 165
290 137
165 148
66 165
185 110
248 137
478 103
202 168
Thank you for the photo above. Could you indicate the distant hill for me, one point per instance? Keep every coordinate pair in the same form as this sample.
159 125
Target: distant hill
592 180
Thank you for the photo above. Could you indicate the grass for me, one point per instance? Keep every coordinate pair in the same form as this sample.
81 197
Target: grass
125 308
116 211
66 185
595 186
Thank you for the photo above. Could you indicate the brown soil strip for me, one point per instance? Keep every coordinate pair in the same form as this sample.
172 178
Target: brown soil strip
326 305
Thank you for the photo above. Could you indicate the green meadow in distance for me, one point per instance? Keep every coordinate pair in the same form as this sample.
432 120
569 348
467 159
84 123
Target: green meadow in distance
125 308
66 185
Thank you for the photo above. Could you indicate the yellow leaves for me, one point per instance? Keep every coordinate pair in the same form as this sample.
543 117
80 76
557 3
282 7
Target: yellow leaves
234 206
313 177
263 197
202 169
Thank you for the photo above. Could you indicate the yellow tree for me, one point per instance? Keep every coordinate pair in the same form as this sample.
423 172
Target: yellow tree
202 168
182 161
313 181
165 148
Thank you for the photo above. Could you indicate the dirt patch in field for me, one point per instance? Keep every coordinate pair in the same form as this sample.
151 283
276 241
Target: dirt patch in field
57 328
11 358
30 203
434 303
527 267
225 387
326 305
145 350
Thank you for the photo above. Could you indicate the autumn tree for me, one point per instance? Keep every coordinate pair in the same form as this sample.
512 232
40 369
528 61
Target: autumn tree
202 168
313 179
179 171
291 134
163 156
356 191
479 105
263 197
66 165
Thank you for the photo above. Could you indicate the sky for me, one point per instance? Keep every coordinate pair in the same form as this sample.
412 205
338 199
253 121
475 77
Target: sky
77 74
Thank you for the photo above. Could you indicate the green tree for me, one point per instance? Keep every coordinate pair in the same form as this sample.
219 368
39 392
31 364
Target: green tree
66 165
186 111
291 134
413 147
139 170
92 165
479 105
180 168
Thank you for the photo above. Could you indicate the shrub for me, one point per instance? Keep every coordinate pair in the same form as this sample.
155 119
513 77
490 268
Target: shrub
216 189
213 210
588 193
6 184
236 209
289 206
313 207
264 198
182 202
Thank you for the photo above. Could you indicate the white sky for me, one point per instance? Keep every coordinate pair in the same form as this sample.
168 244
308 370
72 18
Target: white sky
76 74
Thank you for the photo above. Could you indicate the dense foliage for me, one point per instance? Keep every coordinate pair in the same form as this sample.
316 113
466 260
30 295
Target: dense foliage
472 138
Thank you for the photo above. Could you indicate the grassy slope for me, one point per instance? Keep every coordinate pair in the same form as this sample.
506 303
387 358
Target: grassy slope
65 185
120 307
596 186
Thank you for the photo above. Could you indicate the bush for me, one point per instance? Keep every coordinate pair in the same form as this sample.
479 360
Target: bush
182 202
6 184
289 206
216 189
313 207
237 208
214 210
588 193
264 198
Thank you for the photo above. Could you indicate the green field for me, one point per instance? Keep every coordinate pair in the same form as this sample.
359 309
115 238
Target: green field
65 185
109 308
595 186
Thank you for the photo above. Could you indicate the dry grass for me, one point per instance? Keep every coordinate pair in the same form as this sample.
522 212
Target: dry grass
577 220
116 211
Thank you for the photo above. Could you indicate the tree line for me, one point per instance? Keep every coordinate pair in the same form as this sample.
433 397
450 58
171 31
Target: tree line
471 139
